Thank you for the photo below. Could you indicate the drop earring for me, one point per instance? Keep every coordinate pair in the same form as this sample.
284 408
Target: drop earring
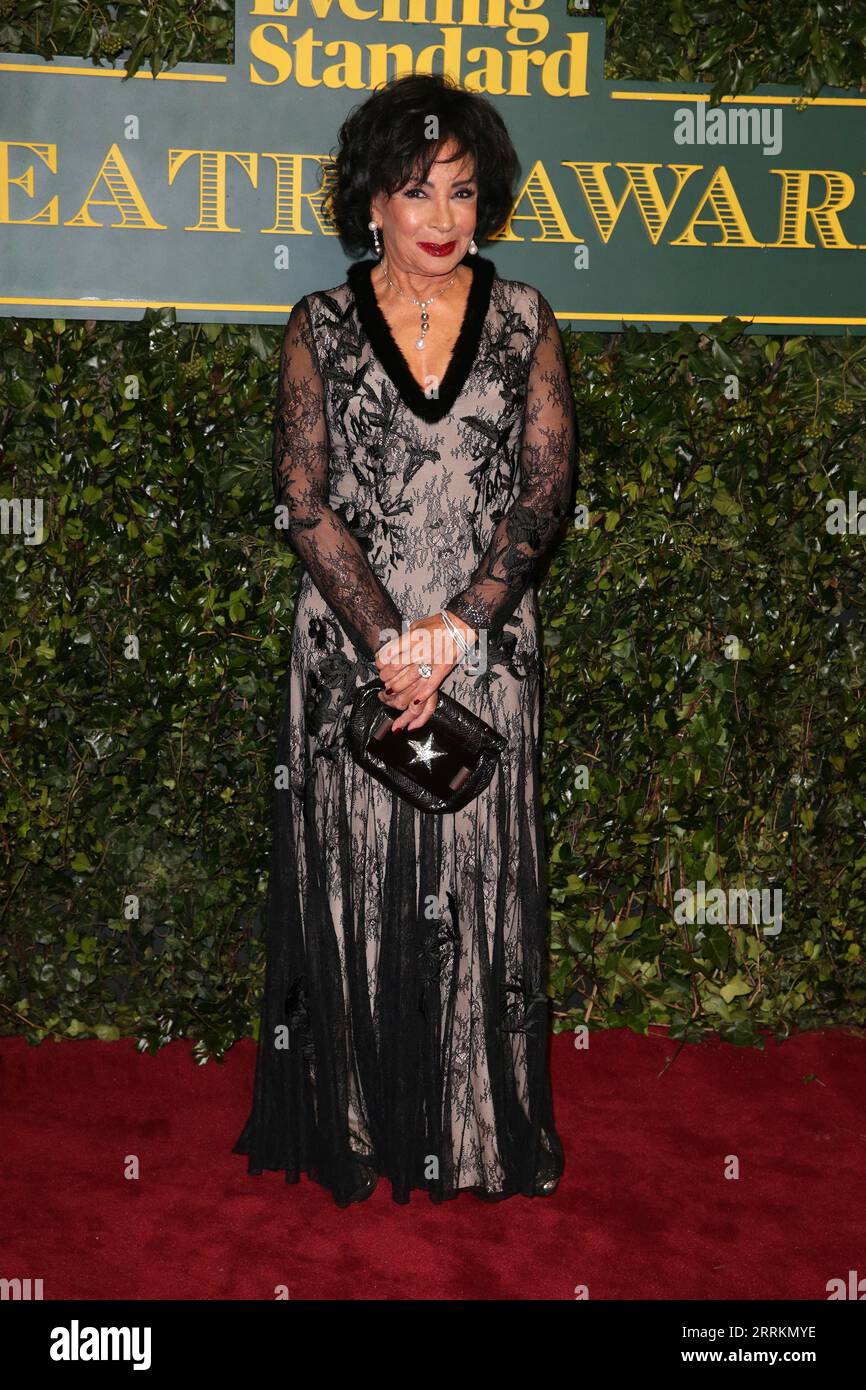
375 230
473 249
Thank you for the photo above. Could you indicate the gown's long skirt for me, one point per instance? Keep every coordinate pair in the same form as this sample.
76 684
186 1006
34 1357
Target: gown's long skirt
405 1023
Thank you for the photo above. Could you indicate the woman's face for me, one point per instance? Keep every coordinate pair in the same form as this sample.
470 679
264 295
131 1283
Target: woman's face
427 227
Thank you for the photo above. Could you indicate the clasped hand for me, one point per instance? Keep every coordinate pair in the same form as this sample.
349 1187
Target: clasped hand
398 661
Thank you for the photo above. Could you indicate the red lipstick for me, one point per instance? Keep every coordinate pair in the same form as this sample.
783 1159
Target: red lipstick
434 249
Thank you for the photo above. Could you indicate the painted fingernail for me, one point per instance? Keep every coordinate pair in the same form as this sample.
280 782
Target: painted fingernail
417 701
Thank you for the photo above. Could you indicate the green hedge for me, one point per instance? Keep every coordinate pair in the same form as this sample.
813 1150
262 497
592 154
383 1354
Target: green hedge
708 668
705 636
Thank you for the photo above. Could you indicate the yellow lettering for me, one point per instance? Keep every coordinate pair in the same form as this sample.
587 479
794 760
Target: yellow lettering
290 197
576 55
134 212
525 30
839 191
350 72
305 47
353 11
48 155
379 54
519 70
321 9
525 17
212 183
641 183
391 12
488 78
450 50
268 51
727 214
545 210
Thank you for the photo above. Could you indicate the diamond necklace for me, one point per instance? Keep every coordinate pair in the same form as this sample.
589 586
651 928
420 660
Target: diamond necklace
425 319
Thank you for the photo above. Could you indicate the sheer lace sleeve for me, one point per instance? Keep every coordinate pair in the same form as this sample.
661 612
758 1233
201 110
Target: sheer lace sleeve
331 554
527 529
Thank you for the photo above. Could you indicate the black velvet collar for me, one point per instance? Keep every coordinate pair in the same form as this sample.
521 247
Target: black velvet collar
384 345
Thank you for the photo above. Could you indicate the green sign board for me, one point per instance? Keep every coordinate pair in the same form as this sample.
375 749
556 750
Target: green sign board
638 203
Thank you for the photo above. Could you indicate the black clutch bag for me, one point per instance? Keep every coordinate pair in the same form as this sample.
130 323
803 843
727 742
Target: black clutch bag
439 767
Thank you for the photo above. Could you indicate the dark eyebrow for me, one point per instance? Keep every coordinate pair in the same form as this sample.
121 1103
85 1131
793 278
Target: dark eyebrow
460 183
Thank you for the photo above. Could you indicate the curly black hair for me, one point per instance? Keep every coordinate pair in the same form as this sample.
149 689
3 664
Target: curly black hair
385 144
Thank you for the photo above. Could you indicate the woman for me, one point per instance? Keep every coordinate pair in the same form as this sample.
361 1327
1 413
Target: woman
423 457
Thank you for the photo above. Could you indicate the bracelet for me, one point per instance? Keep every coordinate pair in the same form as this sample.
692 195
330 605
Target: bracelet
465 649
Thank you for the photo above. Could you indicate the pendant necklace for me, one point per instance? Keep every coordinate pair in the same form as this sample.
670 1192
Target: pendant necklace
425 319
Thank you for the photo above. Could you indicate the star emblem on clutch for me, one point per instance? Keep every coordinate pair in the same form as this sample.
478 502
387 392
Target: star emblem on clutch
425 752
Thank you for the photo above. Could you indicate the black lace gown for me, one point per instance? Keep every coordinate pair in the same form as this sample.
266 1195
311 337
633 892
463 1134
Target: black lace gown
405 1022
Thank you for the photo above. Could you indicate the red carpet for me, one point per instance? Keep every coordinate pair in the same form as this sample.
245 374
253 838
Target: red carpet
643 1211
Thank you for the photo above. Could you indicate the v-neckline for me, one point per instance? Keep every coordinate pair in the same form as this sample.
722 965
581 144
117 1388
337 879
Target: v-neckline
390 355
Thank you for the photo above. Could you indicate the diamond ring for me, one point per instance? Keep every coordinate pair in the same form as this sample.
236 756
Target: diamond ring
425 669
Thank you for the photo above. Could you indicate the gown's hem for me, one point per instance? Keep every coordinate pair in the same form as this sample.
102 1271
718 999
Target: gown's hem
256 1168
